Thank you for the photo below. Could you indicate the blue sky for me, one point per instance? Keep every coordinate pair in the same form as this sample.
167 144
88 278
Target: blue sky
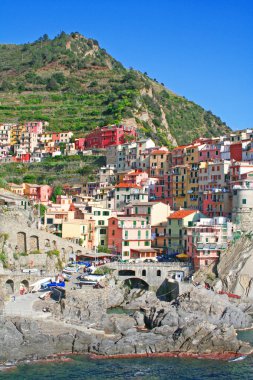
201 49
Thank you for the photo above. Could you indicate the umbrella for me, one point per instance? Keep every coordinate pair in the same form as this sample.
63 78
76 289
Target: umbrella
182 256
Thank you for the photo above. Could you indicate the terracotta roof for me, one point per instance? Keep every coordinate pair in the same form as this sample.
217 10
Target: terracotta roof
181 214
159 151
127 185
135 173
180 147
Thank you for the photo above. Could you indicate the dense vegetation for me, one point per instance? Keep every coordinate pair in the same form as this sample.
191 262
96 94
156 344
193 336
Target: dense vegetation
74 84
52 171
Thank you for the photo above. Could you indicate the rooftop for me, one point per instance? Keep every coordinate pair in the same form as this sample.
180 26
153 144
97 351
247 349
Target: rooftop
127 185
180 214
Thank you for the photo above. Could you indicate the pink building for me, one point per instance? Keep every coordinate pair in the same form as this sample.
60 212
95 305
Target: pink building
80 143
237 170
35 127
136 177
38 193
130 237
216 203
177 155
44 193
206 240
61 137
209 152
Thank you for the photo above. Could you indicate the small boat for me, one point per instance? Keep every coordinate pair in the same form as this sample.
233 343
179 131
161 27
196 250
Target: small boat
70 270
238 359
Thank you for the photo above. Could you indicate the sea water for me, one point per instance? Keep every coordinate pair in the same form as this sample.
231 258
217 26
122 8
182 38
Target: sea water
82 368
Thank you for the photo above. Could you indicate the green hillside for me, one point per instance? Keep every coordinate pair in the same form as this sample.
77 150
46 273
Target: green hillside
74 84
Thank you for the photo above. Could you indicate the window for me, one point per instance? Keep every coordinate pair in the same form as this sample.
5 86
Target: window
102 242
113 232
97 213
101 222
126 234
147 234
158 273
102 231
106 213
149 210
244 201
147 243
143 273
125 253
136 210
126 243
113 222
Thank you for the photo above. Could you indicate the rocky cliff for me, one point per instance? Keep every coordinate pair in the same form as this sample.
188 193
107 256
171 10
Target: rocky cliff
234 272
197 323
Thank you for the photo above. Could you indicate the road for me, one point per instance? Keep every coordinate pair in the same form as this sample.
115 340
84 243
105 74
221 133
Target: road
23 306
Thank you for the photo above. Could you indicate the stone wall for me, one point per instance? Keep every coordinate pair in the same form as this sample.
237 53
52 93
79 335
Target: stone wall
25 238
152 274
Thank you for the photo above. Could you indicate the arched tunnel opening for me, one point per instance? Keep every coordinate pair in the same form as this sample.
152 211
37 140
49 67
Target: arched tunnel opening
126 272
9 287
136 283
168 290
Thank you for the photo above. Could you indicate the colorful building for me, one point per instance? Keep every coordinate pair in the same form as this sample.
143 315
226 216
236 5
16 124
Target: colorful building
130 237
178 221
109 135
206 239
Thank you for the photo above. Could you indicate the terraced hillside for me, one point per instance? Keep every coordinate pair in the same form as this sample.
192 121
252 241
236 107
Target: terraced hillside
74 84
52 171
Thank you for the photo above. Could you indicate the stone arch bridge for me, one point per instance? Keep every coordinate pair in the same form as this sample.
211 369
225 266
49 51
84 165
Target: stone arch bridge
153 274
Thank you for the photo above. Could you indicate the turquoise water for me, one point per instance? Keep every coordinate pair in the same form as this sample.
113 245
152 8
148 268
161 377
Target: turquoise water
120 310
83 368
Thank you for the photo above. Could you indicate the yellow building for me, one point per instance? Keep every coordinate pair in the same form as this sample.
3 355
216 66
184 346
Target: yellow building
192 160
179 186
17 189
16 132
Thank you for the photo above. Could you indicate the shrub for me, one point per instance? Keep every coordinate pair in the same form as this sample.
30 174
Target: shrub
4 259
35 252
59 264
15 256
103 270
53 252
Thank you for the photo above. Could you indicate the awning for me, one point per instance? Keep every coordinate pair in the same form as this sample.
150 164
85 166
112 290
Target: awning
182 256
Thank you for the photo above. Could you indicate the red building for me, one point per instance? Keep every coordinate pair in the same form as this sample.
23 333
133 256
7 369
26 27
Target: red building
236 151
80 143
110 135
23 157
